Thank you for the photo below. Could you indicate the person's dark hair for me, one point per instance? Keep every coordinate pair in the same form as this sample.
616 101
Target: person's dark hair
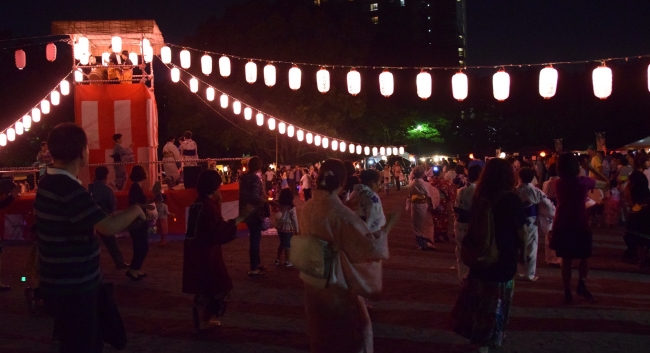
497 176
117 137
526 175
460 169
474 173
67 142
568 166
369 176
418 172
137 174
624 162
44 143
171 138
254 164
613 183
331 175
640 160
511 160
552 170
125 52
187 134
349 168
638 186
286 198
101 173
209 181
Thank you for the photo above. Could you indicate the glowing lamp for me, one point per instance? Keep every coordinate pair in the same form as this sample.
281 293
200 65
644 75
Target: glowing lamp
147 56
224 66
251 72
78 75
354 82
401 150
501 85
335 145
325 142
194 85
166 54
375 151
224 101
386 84
502 155
395 151
389 151
116 44
271 123
50 52
85 59
602 80
133 56
45 106
342 146
248 113
64 86
351 148
206 64
323 80
269 75
294 78
185 59
19 128
259 118
542 154
176 74
3 139
300 135
471 156
36 116
82 48
27 122
55 97
282 127
290 130
145 43
424 83
547 82
309 138
382 151
209 94
236 107
317 140
11 134
648 77
366 150
459 86
358 149
106 56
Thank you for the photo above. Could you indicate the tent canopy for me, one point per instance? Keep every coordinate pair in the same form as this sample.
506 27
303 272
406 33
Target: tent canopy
643 143
99 33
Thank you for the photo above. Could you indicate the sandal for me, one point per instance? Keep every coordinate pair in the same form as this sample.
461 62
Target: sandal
259 273
277 262
131 276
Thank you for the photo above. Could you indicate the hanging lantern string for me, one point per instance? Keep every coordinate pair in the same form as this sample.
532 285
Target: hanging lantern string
39 102
415 67
172 65
29 44
26 38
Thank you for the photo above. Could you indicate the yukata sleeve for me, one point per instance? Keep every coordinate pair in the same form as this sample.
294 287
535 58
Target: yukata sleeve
359 244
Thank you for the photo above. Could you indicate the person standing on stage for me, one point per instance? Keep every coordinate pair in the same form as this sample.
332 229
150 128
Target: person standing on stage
189 150
121 155
170 155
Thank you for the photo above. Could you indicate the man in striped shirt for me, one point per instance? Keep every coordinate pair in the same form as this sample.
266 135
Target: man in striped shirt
66 217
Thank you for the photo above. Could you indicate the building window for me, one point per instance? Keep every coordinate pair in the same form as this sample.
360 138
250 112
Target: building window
402 2
375 19
374 7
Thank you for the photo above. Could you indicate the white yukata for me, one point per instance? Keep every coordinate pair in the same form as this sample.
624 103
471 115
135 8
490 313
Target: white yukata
367 205
189 152
532 198
462 208
171 154
337 317
419 193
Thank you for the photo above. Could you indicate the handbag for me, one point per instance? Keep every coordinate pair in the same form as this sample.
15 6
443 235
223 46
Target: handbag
313 256
110 320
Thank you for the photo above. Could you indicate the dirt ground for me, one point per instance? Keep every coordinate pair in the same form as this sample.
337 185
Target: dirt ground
420 288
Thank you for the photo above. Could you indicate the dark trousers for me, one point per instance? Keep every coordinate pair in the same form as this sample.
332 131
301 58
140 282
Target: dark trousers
76 321
113 249
307 193
255 228
397 183
140 238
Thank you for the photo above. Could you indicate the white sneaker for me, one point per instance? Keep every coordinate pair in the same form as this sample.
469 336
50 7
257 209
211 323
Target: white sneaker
288 264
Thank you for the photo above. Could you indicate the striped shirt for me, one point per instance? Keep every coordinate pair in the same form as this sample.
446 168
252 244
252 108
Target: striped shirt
68 248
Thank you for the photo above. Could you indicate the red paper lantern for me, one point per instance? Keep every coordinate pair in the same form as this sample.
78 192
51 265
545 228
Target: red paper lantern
21 59
50 52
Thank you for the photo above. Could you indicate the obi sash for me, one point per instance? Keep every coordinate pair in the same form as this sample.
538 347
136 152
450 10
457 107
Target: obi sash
189 153
531 211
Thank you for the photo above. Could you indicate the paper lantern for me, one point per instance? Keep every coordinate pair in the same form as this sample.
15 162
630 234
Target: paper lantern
19 127
547 82
194 85
269 75
343 146
27 121
50 52
309 138
259 118
459 86
325 142
290 130
648 77
358 149
64 86
354 82
282 127
602 79
323 80
133 56
82 48
55 97
45 106
382 151
78 75
11 134
300 135
389 151
248 113
395 151
185 59
401 150
271 124
176 74
223 100
335 145
251 72
206 64
116 44
236 107
317 140
145 43
294 78
85 59
209 94
424 83
3 139
148 54
375 151
36 116
106 56
224 66
386 84
366 150
501 85
166 54
351 148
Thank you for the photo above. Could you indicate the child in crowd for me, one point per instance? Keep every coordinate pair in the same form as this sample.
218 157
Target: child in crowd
287 226
611 205
163 214
532 198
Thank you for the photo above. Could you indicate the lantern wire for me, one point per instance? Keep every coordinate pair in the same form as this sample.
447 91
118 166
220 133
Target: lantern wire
35 37
29 44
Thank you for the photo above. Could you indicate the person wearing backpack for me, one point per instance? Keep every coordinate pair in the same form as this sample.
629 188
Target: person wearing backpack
491 250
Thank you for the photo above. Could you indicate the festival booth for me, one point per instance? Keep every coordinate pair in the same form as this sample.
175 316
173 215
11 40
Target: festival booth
640 144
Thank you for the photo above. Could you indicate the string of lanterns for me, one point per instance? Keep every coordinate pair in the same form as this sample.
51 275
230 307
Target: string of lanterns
81 50
282 127
34 115
548 77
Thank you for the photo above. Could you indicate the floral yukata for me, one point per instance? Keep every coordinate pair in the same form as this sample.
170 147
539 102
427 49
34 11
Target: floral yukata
367 205
443 215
